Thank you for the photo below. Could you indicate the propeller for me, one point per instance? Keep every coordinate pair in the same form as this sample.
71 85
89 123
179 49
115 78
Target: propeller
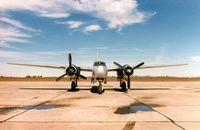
127 70
70 59
137 66
117 64
83 77
62 76
71 70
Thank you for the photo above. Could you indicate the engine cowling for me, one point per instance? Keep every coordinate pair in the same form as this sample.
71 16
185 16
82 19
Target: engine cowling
72 70
127 70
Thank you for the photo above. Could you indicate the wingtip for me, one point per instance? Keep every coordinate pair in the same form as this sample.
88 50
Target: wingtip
69 53
9 63
185 64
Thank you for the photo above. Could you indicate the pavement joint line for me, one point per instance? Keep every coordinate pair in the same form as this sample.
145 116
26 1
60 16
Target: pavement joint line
95 121
171 120
32 107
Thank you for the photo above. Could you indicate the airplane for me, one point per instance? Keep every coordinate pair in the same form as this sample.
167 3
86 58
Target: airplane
99 72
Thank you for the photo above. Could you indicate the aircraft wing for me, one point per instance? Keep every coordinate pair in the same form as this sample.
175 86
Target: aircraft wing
45 66
109 70
159 66
86 69
153 66
49 66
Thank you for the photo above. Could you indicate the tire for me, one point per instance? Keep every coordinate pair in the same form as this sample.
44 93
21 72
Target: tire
100 91
123 86
73 85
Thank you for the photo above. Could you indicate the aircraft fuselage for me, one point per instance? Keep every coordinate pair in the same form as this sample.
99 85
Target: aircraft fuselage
99 72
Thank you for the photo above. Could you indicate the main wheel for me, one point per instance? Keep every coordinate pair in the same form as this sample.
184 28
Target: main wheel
123 86
73 85
100 89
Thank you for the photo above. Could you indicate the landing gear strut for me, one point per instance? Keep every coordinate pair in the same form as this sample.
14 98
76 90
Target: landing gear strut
100 88
123 86
73 85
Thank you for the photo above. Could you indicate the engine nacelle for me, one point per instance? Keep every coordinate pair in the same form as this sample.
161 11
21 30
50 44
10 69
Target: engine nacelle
127 70
72 70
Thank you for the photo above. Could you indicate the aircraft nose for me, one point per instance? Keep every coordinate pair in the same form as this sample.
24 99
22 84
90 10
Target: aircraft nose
101 69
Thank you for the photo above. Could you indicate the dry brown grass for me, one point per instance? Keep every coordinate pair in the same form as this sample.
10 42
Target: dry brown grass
136 79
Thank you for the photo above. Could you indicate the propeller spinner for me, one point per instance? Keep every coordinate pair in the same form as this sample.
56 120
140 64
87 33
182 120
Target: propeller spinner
127 70
71 70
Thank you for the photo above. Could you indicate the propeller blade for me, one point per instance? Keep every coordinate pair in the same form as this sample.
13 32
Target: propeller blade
128 82
83 77
137 66
70 59
117 64
62 76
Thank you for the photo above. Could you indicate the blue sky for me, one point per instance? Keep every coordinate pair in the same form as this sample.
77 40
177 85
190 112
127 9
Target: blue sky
126 31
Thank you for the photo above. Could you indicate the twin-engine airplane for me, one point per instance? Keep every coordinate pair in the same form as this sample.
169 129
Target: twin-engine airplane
99 72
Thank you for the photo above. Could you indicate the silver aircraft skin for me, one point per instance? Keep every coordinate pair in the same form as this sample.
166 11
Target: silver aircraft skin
99 72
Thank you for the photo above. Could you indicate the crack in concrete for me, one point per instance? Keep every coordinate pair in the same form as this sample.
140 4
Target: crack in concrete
32 107
171 120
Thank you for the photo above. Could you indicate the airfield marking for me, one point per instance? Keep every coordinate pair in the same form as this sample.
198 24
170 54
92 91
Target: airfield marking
34 106
171 120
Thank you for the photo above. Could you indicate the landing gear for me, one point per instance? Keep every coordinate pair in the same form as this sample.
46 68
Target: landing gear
123 86
73 85
129 82
100 88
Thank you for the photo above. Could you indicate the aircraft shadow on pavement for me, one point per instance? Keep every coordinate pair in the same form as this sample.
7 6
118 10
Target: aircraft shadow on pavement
93 89
120 90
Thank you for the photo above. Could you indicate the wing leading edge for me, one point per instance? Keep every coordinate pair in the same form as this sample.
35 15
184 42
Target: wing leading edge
49 66
160 66
44 66
153 66
89 70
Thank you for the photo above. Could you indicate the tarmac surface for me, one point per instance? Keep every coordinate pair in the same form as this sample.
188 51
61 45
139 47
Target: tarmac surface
148 106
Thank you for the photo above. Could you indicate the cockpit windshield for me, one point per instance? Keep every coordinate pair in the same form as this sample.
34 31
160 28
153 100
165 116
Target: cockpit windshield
99 63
